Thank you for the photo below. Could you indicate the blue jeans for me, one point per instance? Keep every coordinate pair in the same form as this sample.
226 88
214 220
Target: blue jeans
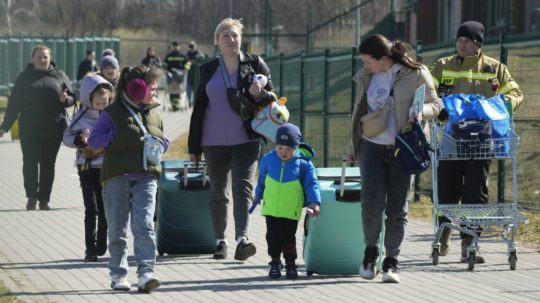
131 198
384 190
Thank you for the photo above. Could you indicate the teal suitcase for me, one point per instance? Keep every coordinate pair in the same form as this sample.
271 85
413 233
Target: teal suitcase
184 225
334 240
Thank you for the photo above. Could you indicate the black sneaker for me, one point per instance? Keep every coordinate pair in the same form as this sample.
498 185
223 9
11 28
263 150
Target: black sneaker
221 251
275 269
244 250
90 258
367 268
292 273
390 270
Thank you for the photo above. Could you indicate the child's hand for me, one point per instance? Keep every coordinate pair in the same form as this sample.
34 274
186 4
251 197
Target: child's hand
313 210
86 134
254 204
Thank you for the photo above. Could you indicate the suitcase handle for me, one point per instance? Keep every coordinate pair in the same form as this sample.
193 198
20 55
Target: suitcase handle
191 165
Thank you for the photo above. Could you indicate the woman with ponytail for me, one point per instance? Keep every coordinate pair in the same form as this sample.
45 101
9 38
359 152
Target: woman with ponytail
389 77
130 184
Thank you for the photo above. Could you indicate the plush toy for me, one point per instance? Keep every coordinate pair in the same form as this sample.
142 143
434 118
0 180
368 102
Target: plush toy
269 118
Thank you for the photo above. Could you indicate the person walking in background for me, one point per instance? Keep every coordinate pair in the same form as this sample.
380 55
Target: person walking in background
231 148
109 69
129 180
389 77
39 100
469 71
194 55
176 63
287 182
88 65
151 58
96 93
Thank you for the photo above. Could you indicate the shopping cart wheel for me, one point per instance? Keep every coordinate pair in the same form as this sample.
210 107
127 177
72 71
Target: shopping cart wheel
512 259
472 260
309 273
435 256
160 253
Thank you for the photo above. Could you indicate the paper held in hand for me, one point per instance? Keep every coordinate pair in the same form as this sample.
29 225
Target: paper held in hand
418 100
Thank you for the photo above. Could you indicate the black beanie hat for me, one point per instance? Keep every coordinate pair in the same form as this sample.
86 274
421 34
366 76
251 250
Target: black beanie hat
473 30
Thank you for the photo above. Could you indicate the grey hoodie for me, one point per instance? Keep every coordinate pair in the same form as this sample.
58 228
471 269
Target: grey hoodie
85 118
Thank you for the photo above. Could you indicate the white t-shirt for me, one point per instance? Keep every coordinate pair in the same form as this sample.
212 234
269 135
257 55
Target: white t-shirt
378 94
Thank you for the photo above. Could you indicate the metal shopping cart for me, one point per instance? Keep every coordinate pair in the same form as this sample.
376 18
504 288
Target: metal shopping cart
497 221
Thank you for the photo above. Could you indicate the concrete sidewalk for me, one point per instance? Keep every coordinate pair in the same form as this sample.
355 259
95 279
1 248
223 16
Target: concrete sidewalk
41 258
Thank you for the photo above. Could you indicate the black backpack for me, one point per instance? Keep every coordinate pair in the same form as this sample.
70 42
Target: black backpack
412 149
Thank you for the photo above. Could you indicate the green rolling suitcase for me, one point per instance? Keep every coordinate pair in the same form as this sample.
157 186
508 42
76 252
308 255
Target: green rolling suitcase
334 240
184 225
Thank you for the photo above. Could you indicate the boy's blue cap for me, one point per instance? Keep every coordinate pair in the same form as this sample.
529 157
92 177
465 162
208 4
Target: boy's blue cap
288 134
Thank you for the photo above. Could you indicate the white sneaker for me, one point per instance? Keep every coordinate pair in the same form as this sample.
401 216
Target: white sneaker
368 271
120 283
147 283
390 276
390 270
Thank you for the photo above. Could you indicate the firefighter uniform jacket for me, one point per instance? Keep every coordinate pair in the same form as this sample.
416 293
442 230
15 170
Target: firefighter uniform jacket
478 74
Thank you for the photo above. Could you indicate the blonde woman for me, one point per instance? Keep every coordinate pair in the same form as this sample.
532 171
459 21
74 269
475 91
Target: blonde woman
230 147
39 99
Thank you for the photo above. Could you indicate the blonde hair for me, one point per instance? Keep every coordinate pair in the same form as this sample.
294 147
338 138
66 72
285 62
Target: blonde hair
103 91
41 47
226 23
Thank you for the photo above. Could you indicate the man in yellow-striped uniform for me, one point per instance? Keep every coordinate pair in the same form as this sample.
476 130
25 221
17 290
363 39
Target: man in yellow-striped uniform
469 71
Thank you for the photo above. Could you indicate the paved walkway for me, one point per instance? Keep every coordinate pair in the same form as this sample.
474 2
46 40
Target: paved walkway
41 259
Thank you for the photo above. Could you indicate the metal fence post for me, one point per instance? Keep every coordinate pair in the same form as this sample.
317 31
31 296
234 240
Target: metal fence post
501 169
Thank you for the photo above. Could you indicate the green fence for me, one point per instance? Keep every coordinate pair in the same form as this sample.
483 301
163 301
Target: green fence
319 91
320 94
67 53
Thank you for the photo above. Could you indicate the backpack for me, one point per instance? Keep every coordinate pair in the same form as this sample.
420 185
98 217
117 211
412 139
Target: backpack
412 149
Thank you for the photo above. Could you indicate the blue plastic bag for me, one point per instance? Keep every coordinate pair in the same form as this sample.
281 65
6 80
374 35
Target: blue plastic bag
463 107
474 106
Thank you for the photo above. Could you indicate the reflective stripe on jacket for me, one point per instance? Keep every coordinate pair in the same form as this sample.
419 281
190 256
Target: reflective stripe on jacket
478 74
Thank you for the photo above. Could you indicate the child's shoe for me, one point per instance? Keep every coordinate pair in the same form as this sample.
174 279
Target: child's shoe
147 283
275 269
291 270
120 283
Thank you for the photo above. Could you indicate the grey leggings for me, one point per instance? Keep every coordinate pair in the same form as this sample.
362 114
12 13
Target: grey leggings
231 166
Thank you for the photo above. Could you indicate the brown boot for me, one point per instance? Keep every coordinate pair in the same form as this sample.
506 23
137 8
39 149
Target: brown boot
31 204
464 254
445 242
44 205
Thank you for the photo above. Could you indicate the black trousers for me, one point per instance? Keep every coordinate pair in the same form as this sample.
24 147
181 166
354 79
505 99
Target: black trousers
95 236
280 237
39 160
463 180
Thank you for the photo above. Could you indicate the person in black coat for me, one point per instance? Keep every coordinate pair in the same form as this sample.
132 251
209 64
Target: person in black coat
39 99
151 58
87 65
